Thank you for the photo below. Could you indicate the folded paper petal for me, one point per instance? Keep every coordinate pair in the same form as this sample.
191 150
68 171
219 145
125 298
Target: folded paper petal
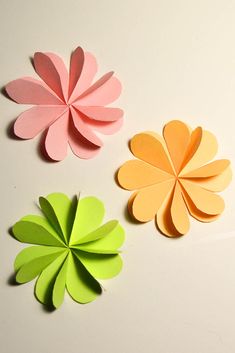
106 128
51 68
32 269
136 174
106 90
108 244
84 225
164 220
149 149
86 77
100 232
100 266
205 201
36 230
56 142
195 141
27 90
32 252
206 151
80 146
196 213
82 287
100 113
177 137
179 213
45 283
60 285
217 183
33 121
59 210
83 129
87 249
209 170
148 200
76 67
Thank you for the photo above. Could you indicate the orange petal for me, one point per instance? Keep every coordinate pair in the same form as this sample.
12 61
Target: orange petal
195 213
209 170
206 151
136 174
148 200
163 143
164 220
195 140
204 200
217 183
130 203
177 137
148 148
179 212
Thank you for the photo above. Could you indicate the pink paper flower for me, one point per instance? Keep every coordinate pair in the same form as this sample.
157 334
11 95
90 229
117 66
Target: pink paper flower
67 104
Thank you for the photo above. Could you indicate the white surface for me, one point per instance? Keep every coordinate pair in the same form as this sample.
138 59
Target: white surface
176 59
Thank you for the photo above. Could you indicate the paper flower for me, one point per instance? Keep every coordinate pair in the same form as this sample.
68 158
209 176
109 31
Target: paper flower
73 249
172 178
68 105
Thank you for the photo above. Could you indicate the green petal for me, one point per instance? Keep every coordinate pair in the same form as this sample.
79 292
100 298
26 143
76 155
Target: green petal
89 216
82 287
85 248
99 232
46 280
59 210
106 245
31 269
99 265
59 286
32 252
36 230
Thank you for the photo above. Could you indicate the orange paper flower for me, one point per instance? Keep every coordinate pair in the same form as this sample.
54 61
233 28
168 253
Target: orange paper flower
172 178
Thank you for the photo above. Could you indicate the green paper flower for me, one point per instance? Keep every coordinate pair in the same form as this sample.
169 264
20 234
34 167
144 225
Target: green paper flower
73 249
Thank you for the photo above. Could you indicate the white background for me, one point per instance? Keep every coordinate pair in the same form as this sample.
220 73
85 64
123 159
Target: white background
176 59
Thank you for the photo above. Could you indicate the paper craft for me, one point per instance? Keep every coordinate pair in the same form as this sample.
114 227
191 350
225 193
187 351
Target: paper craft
72 249
68 105
172 178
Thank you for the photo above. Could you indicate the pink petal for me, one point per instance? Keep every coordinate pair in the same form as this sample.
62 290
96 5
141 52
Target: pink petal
80 146
27 90
106 90
83 129
57 138
97 84
106 128
100 113
86 77
36 119
52 70
76 66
